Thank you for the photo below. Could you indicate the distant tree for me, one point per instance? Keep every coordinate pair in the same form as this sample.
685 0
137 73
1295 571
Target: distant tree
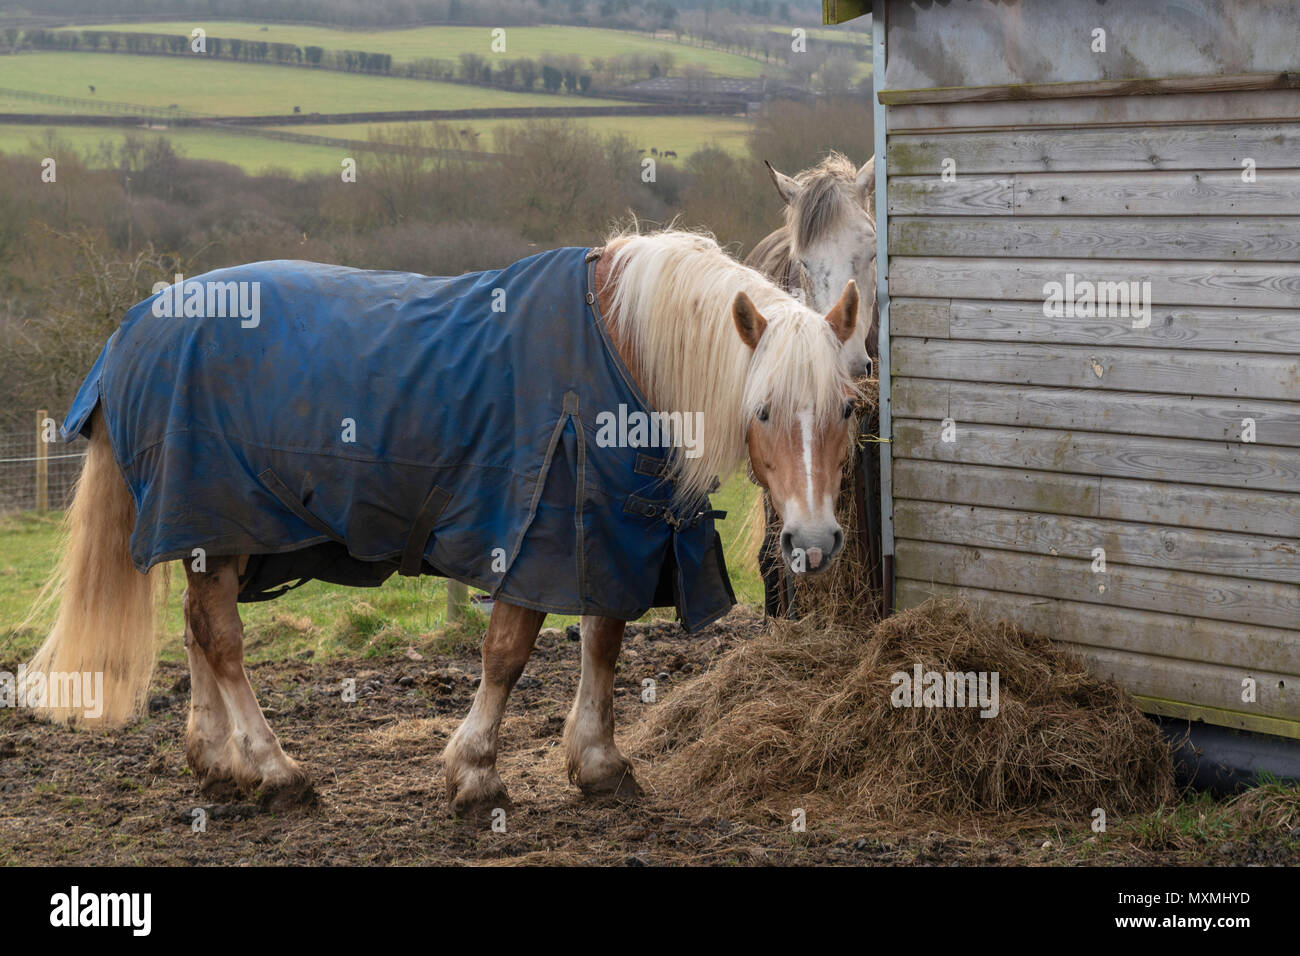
792 135
527 73
471 67
836 75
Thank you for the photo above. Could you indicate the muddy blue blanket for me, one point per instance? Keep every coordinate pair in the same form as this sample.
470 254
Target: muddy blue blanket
344 424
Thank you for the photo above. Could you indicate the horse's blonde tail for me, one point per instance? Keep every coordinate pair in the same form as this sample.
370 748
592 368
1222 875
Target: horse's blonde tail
107 609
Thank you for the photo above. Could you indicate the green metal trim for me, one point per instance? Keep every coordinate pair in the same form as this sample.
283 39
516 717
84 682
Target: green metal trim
1256 723
840 11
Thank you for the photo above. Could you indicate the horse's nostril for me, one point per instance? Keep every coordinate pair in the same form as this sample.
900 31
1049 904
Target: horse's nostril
839 542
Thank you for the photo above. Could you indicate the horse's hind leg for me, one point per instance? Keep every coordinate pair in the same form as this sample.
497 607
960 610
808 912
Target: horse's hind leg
249 754
594 763
470 760
208 730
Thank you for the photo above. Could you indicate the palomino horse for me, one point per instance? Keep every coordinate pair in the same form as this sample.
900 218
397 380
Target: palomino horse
687 326
829 237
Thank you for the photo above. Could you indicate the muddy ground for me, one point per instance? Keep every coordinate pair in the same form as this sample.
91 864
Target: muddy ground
128 798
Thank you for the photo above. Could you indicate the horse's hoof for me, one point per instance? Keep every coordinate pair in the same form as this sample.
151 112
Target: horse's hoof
295 792
482 813
623 786
478 795
220 789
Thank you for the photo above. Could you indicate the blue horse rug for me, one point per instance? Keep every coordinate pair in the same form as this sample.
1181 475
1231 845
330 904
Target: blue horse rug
343 424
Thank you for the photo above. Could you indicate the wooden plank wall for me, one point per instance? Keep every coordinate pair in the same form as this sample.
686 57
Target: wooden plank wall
1077 433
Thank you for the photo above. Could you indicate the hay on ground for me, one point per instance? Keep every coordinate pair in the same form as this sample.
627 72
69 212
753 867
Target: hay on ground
802 716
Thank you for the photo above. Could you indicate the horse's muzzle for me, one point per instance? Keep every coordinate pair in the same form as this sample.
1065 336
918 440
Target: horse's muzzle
811 551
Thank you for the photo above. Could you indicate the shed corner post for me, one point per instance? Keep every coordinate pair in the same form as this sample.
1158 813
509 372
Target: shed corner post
879 119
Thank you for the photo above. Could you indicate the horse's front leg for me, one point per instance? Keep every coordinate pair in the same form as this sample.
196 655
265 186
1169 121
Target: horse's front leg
229 738
594 763
470 760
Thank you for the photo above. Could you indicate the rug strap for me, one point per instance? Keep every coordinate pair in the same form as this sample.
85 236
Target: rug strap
291 501
413 555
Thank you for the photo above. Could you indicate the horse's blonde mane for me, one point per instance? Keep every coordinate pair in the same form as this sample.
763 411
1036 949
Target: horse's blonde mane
829 193
672 308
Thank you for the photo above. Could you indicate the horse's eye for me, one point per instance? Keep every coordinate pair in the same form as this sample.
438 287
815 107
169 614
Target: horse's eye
761 414
848 409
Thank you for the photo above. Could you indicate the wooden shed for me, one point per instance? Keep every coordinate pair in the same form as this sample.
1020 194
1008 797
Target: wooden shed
1043 145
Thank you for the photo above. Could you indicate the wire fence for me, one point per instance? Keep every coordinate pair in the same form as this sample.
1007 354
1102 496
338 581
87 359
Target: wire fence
36 474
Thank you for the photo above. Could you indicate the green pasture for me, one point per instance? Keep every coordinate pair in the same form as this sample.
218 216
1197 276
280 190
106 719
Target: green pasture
448 43
253 154
323 618
256 154
21 104
226 88
841 34
815 36
682 134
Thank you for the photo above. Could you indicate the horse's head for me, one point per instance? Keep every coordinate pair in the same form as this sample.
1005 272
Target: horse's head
830 216
799 400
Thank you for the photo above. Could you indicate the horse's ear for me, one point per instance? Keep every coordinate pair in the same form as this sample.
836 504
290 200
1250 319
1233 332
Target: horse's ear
866 182
843 316
749 321
786 186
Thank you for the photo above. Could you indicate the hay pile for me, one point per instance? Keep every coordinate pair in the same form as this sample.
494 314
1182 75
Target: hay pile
801 716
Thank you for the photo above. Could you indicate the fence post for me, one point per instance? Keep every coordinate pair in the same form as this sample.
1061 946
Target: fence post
457 600
42 463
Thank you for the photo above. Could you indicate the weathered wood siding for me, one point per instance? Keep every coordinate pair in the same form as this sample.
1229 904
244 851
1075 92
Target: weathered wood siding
941 47
1077 433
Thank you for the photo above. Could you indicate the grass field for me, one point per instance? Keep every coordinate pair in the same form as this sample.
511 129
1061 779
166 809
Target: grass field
223 88
840 33
253 154
226 88
18 104
324 618
448 43
682 134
